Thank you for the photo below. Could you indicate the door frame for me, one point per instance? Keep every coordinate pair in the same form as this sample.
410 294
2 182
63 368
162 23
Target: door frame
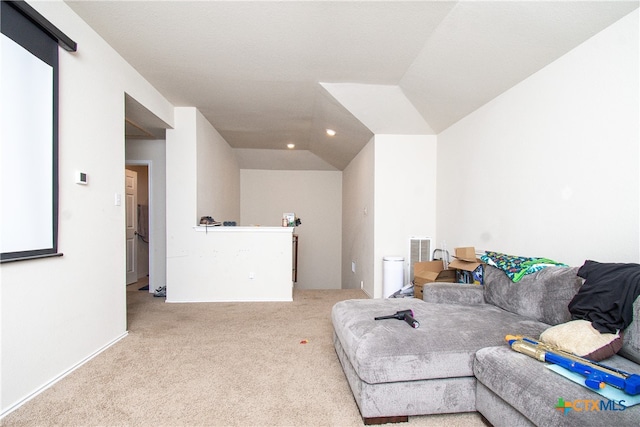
149 165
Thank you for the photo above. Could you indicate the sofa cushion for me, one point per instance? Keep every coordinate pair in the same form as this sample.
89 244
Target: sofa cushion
534 390
453 293
579 337
444 345
434 396
543 295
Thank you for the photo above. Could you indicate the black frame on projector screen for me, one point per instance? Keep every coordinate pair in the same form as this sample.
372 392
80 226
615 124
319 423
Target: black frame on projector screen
29 233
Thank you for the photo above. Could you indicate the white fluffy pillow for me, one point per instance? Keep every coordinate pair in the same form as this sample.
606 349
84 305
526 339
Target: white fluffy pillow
582 339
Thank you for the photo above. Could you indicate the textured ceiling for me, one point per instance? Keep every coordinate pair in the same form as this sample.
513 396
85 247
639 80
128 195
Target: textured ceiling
270 73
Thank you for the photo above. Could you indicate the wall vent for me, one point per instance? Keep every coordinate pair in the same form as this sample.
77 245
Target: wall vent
420 249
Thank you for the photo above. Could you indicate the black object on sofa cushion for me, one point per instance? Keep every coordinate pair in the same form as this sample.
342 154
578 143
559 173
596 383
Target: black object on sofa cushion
607 296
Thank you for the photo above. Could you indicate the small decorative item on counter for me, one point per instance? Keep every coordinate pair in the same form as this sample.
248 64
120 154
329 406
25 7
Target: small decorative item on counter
290 220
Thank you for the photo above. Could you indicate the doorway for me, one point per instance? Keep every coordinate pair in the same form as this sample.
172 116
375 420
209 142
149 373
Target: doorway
145 153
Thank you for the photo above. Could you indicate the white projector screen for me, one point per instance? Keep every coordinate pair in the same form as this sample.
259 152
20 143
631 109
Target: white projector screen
26 150
28 132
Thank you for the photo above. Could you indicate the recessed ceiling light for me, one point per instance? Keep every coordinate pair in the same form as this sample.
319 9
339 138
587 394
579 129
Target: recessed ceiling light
290 146
331 132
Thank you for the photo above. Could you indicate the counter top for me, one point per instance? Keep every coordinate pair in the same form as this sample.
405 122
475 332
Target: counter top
222 228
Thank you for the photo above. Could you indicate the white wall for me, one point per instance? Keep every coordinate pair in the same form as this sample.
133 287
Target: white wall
357 221
152 153
405 194
57 312
218 175
316 198
551 167
235 264
389 192
182 184
198 165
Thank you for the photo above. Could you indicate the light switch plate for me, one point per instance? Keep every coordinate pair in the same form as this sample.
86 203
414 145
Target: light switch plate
81 178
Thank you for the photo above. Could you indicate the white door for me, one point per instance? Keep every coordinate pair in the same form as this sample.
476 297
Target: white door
131 197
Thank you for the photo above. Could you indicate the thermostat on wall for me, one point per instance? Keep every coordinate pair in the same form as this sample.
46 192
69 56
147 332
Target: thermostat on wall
81 178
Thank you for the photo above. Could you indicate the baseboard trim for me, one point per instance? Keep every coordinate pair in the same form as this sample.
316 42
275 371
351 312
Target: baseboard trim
60 376
228 300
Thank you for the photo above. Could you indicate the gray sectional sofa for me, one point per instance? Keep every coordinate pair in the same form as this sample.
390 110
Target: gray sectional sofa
458 360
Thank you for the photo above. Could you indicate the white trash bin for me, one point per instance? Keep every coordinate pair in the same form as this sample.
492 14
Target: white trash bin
392 275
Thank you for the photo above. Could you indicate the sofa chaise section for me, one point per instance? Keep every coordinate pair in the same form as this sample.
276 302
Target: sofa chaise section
394 370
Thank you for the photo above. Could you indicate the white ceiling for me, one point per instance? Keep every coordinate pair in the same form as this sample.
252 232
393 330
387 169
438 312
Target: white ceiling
268 73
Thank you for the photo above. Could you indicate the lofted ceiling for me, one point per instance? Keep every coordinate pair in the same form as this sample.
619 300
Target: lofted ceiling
269 73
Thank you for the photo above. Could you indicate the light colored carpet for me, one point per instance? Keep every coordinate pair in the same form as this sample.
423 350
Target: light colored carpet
214 364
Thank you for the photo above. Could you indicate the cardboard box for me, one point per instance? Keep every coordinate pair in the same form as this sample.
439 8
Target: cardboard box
431 271
468 268
465 254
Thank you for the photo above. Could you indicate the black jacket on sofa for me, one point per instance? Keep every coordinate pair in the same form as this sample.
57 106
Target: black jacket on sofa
607 295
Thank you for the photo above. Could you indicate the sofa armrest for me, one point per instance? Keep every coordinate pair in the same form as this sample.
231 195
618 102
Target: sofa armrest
453 293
